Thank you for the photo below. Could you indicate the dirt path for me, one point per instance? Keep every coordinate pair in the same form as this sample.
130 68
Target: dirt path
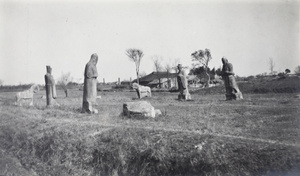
108 127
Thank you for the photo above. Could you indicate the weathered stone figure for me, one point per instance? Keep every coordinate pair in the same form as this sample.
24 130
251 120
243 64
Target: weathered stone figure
50 87
142 91
232 90
182 84
90 85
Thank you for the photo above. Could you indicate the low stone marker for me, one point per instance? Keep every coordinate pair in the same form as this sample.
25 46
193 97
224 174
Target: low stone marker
140 108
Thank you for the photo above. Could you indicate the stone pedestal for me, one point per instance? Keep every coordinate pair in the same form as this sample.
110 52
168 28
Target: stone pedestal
184 97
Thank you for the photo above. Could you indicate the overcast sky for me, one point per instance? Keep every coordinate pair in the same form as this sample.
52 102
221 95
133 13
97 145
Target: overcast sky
64 34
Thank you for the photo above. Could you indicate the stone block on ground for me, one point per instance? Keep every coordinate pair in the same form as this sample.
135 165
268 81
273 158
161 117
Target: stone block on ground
140 108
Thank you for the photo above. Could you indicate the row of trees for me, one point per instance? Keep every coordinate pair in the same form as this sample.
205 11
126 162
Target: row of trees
201 57
136 55
286 71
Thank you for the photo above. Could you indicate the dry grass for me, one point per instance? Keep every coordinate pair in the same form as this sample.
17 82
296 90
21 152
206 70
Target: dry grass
207 136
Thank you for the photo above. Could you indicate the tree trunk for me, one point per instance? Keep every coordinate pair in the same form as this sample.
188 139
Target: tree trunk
208 79
137 77
66 92
159 83
168 80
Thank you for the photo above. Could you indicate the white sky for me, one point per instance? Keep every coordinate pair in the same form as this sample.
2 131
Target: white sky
63 34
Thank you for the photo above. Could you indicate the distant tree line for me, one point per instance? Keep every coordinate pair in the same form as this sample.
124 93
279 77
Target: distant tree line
13 88
202 70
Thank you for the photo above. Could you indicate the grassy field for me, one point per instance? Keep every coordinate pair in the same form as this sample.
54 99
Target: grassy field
259 135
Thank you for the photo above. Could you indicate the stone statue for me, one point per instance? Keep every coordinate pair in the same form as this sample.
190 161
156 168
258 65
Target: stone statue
142 91
27 95
50 87
90 85
182 84
232 90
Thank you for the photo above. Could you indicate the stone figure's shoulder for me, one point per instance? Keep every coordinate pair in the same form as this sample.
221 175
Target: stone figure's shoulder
88 64
47 75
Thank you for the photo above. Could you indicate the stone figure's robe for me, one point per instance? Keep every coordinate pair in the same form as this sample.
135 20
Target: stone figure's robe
232 89
50 89
90 87
183 86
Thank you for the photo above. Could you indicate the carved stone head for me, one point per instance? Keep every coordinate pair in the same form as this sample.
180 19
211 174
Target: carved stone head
224 60
179 66
94 58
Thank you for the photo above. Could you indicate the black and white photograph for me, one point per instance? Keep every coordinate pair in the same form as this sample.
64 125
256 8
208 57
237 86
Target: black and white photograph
149 87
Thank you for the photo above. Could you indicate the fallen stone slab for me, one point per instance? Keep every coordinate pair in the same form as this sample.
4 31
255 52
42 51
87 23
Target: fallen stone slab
143 108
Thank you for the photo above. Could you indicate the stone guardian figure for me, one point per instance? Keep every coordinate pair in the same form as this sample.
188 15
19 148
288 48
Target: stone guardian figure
182 84
90 85
50 87
232 90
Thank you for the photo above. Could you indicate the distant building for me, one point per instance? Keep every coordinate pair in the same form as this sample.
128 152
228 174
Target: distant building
159 79
126 83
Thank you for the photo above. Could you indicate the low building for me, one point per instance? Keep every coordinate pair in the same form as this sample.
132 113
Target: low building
159 79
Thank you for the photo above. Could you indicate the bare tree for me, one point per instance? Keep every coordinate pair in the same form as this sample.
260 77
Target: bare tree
64 80
157 66
202 57
1 82
168 69
157 63
271 66
297 70
175 64
174 67
135 55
